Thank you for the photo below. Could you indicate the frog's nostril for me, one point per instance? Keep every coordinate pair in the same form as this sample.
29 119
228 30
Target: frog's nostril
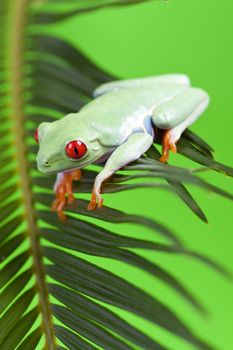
46 163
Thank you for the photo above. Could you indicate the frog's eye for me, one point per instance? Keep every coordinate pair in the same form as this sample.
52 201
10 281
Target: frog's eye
76 149
36 136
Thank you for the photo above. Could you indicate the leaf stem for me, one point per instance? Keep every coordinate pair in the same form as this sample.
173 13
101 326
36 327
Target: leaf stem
19 13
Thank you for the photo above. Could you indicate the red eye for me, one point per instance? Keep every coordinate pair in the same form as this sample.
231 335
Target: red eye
76 149
36 136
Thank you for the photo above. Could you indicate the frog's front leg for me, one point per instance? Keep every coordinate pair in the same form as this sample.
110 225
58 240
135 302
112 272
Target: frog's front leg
127 152
63 191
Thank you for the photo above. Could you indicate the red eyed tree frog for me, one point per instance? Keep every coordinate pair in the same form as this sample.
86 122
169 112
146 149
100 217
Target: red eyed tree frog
116 127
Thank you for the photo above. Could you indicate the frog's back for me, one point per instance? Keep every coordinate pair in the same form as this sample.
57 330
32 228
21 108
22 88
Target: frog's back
122 112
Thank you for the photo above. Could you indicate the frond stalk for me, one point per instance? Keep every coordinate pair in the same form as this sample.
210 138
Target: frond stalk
19 18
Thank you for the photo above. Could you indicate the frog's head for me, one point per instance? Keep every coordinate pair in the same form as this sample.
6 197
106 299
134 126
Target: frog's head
64 145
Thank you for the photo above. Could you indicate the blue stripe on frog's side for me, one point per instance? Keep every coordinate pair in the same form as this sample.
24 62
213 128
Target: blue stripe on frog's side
147 127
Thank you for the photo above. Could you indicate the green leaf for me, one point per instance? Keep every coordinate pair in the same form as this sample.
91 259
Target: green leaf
18 333
31 341
72 340
9 247
11 268
179 188
13 289
203 159
115 216
100 314
9 227
89 329
71 242
13 315
197 140
82 7
42 77
87 278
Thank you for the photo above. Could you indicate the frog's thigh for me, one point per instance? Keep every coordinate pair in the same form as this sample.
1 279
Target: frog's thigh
180 111
127 152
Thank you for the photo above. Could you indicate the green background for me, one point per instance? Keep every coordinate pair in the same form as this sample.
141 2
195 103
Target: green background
192 37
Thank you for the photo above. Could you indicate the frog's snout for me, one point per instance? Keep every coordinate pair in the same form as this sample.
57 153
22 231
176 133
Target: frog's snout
43 165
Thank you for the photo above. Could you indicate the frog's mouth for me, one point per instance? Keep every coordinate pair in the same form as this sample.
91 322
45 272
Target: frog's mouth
46 171
51 169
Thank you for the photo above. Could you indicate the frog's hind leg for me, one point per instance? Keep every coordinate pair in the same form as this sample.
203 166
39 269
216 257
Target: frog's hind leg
167 145
176 114
152 82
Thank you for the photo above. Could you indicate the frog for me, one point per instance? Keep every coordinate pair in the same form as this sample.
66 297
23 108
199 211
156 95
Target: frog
115 129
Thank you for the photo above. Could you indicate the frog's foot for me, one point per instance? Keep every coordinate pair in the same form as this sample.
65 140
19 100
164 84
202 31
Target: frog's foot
96 201
168 144
63 191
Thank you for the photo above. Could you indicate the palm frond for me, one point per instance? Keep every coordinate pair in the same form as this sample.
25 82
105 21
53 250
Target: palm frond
52 295
51 12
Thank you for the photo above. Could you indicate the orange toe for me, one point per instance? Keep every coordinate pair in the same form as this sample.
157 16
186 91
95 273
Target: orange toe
70 198
61 215
167 146
100 203
92 205
54 205
173 147
95 202
164 158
